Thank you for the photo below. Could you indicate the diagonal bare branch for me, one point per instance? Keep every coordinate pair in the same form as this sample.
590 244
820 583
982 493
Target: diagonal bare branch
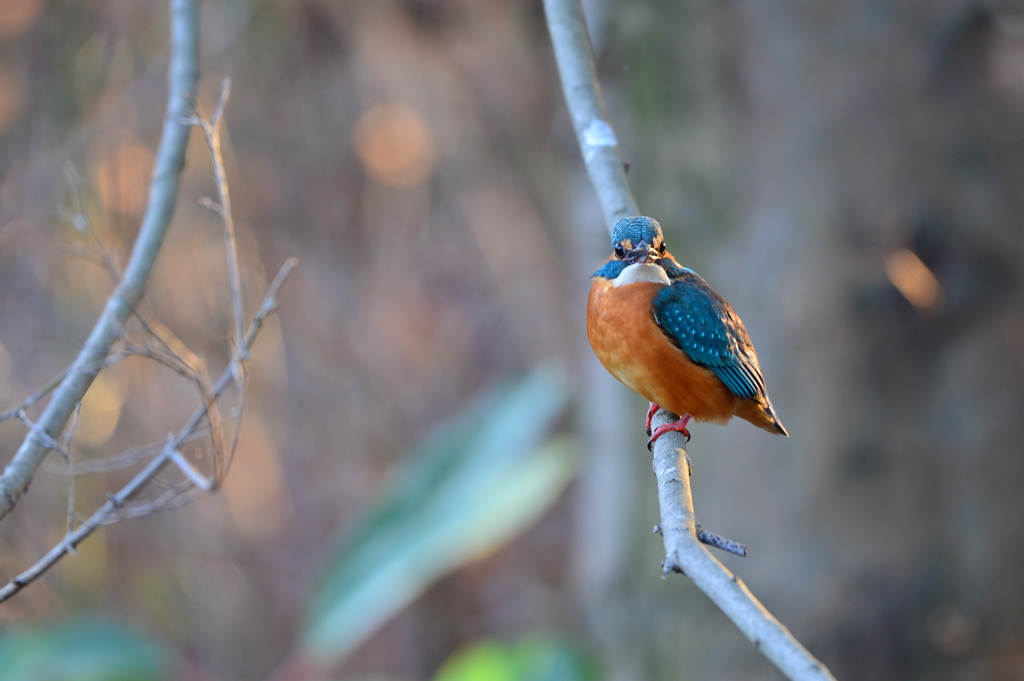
193 475
212 132
119 461
595 134
117 505
685 553
170 159
179 358
69 435
35 397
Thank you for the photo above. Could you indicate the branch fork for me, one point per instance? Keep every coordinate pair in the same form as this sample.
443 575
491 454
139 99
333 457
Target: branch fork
211 132
158 342
170 158
117 505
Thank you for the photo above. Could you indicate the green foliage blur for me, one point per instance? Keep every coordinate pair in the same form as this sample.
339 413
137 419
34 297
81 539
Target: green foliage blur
536 658
89 650
478 481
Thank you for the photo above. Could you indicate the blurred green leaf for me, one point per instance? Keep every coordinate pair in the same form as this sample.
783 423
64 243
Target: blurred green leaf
84 651
532 659
472 486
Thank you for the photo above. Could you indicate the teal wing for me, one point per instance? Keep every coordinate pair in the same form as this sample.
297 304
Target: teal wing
708 330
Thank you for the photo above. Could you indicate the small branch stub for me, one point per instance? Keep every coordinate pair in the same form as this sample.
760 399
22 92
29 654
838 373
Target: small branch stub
685 553
727 545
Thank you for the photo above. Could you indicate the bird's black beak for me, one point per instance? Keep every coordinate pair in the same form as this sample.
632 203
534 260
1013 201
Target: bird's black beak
642 253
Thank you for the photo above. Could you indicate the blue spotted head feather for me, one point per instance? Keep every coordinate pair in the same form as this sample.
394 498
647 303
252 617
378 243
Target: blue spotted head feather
628 232
636 239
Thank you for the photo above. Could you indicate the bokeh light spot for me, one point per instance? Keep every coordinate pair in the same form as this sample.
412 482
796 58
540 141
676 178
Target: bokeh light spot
101 410
122 178
16 16
256 492
10 97
395 144
912 277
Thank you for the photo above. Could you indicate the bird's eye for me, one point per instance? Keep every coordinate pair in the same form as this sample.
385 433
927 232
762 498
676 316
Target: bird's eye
619 251
661 248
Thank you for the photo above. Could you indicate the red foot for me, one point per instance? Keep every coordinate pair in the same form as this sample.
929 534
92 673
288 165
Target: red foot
650 415
679 426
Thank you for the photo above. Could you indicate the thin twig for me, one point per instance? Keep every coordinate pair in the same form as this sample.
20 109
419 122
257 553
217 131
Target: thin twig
684 551
118 461
130 348
176 496
43 439
211 131
116 504
35 397
68 436
170 159
192 367
79 219
179 357
177 349
194 476
719 542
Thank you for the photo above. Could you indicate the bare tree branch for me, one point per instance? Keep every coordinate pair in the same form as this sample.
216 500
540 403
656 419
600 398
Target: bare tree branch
596 136
118 461
211 131
170 158
194 476
147 337
34 397
684 551
69 434
79 219
117 507
179 358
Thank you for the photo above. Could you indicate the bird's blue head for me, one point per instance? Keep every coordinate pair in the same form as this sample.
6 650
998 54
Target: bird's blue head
629 232
635 240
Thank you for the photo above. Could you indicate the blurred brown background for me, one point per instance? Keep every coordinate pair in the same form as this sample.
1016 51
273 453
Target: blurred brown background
850 175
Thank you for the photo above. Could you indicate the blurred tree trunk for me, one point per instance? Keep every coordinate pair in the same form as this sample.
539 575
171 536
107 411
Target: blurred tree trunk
791 149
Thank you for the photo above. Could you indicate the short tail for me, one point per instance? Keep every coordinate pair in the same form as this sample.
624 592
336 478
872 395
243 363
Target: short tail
762 415
774 424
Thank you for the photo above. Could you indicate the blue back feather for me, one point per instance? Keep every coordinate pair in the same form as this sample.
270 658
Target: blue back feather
708 330
693 316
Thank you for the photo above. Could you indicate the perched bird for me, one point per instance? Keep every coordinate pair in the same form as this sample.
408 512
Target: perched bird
663 332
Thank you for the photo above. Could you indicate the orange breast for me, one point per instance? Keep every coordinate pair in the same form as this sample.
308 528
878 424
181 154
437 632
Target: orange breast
631 346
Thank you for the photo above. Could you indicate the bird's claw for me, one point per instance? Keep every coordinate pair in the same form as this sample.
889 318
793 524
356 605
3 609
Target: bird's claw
679 427
650 415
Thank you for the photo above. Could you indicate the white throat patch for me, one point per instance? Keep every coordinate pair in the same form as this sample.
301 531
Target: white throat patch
641 272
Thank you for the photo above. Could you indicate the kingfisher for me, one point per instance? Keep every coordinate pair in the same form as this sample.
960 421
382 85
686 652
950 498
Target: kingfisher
661 330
